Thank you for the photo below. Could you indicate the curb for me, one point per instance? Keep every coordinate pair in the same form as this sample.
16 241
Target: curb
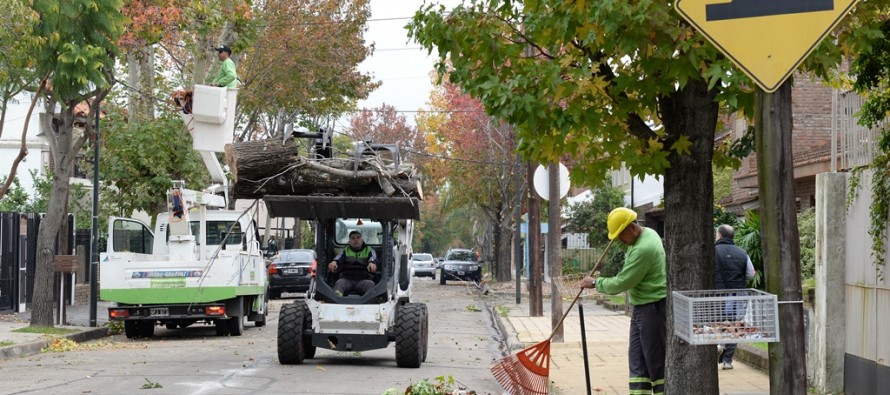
753 357
508 339
35 347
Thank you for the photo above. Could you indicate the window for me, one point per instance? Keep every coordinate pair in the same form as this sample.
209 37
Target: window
216 232
423 257
372 231
132 236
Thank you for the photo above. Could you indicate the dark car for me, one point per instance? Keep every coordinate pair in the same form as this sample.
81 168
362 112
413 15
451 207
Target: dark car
290 271
461 265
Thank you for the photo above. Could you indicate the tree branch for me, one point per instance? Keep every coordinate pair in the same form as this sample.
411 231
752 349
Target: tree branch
23 151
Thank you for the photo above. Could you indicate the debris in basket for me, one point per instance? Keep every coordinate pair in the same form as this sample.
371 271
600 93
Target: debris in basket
726 329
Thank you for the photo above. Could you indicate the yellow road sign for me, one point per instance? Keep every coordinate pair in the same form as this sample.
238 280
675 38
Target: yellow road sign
767 39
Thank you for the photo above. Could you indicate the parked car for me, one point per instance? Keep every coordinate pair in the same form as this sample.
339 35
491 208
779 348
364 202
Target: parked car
424 265
291 271
461 265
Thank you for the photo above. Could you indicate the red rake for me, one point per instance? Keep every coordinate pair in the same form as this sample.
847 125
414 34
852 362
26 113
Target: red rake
527 372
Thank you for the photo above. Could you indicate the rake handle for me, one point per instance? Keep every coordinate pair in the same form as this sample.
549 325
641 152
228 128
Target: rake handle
578 296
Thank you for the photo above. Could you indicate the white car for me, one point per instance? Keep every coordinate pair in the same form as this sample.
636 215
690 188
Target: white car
424 265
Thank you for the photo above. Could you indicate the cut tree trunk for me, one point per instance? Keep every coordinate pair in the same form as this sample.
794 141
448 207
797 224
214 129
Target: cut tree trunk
269 167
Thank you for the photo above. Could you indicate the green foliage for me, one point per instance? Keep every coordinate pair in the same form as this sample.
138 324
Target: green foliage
723 217
441 386
17 43
78 44
590 217
806 229
722 184
16 199
138 161
747 236
872 71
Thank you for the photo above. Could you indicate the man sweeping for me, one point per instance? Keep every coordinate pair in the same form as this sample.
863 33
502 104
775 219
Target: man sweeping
643 277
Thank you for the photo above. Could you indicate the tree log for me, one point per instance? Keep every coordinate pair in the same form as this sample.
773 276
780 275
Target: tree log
269 167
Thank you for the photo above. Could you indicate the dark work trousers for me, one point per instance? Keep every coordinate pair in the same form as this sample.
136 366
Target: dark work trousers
647 348
358 287
735 311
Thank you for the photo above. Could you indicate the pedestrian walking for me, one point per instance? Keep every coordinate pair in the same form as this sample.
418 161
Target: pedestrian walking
733 267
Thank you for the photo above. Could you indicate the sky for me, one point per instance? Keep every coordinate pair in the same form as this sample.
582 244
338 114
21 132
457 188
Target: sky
402 67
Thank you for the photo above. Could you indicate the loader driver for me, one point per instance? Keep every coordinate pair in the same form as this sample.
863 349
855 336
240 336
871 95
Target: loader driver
356 265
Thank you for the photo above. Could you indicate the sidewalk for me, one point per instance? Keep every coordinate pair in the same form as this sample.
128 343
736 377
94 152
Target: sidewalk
607 343
13 344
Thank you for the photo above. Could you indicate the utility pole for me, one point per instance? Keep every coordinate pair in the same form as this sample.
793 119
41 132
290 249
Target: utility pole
533 239
94 233
554 245
779 237
517 229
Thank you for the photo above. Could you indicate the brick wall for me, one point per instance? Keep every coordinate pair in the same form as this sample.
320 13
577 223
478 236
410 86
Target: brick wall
811 136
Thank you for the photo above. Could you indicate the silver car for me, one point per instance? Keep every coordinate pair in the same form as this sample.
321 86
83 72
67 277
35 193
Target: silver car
424 265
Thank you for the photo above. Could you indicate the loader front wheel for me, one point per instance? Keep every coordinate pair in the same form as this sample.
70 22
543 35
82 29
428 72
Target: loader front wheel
409 336
290 335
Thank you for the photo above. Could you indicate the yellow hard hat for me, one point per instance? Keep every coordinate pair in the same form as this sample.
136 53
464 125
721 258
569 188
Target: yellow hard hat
618 219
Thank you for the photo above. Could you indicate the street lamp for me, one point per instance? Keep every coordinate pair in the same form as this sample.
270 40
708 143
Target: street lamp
94 233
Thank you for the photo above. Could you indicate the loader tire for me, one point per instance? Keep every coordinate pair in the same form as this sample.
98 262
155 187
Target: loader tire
409 336
290 335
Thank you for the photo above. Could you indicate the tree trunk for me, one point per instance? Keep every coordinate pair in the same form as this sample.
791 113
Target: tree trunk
779 238
689 224
535 259
42 306
504 263
269 167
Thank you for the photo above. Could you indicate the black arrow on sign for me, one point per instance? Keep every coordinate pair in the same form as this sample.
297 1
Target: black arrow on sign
738 9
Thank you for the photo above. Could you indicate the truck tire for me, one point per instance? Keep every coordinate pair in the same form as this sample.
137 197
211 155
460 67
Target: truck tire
308 347
236 325
290 335
222 327
409 335
131 329
146 329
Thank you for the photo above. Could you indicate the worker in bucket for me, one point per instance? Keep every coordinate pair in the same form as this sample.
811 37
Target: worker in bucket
226 76
643 277
356 265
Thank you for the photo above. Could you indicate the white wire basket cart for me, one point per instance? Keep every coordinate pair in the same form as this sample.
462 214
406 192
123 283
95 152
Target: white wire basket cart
726 316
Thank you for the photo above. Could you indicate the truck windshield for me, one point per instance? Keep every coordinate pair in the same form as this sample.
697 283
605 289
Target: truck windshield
216 232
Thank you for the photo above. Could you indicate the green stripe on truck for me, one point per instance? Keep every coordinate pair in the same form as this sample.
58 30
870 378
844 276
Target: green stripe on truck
177 295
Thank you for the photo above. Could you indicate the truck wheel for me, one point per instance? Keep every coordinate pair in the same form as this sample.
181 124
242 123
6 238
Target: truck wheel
146 329
425 330
236 325
290 335
409 336
131 329
222 327
308 347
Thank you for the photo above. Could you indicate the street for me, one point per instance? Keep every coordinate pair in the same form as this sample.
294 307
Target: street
463 343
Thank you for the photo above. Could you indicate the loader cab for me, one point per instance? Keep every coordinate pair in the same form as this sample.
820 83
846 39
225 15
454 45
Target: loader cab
333 237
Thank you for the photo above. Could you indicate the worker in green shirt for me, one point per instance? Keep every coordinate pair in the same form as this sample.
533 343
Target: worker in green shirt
226 77
643 277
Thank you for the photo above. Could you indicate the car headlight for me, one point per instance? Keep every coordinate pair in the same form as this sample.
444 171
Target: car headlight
473 268
449 267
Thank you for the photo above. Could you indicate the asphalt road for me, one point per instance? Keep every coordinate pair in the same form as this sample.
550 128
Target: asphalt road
463 343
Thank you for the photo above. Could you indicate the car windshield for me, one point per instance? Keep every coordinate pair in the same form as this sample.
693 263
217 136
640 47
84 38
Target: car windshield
461 256
423 257
295 256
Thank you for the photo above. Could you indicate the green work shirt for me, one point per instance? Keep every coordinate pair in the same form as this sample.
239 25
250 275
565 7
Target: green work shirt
226 76
643 275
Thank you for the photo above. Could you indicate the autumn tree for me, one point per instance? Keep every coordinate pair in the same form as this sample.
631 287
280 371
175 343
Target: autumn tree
384 125
303 69
77 56
475 146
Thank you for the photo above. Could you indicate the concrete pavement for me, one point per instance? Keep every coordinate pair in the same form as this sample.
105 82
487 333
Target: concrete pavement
607 344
